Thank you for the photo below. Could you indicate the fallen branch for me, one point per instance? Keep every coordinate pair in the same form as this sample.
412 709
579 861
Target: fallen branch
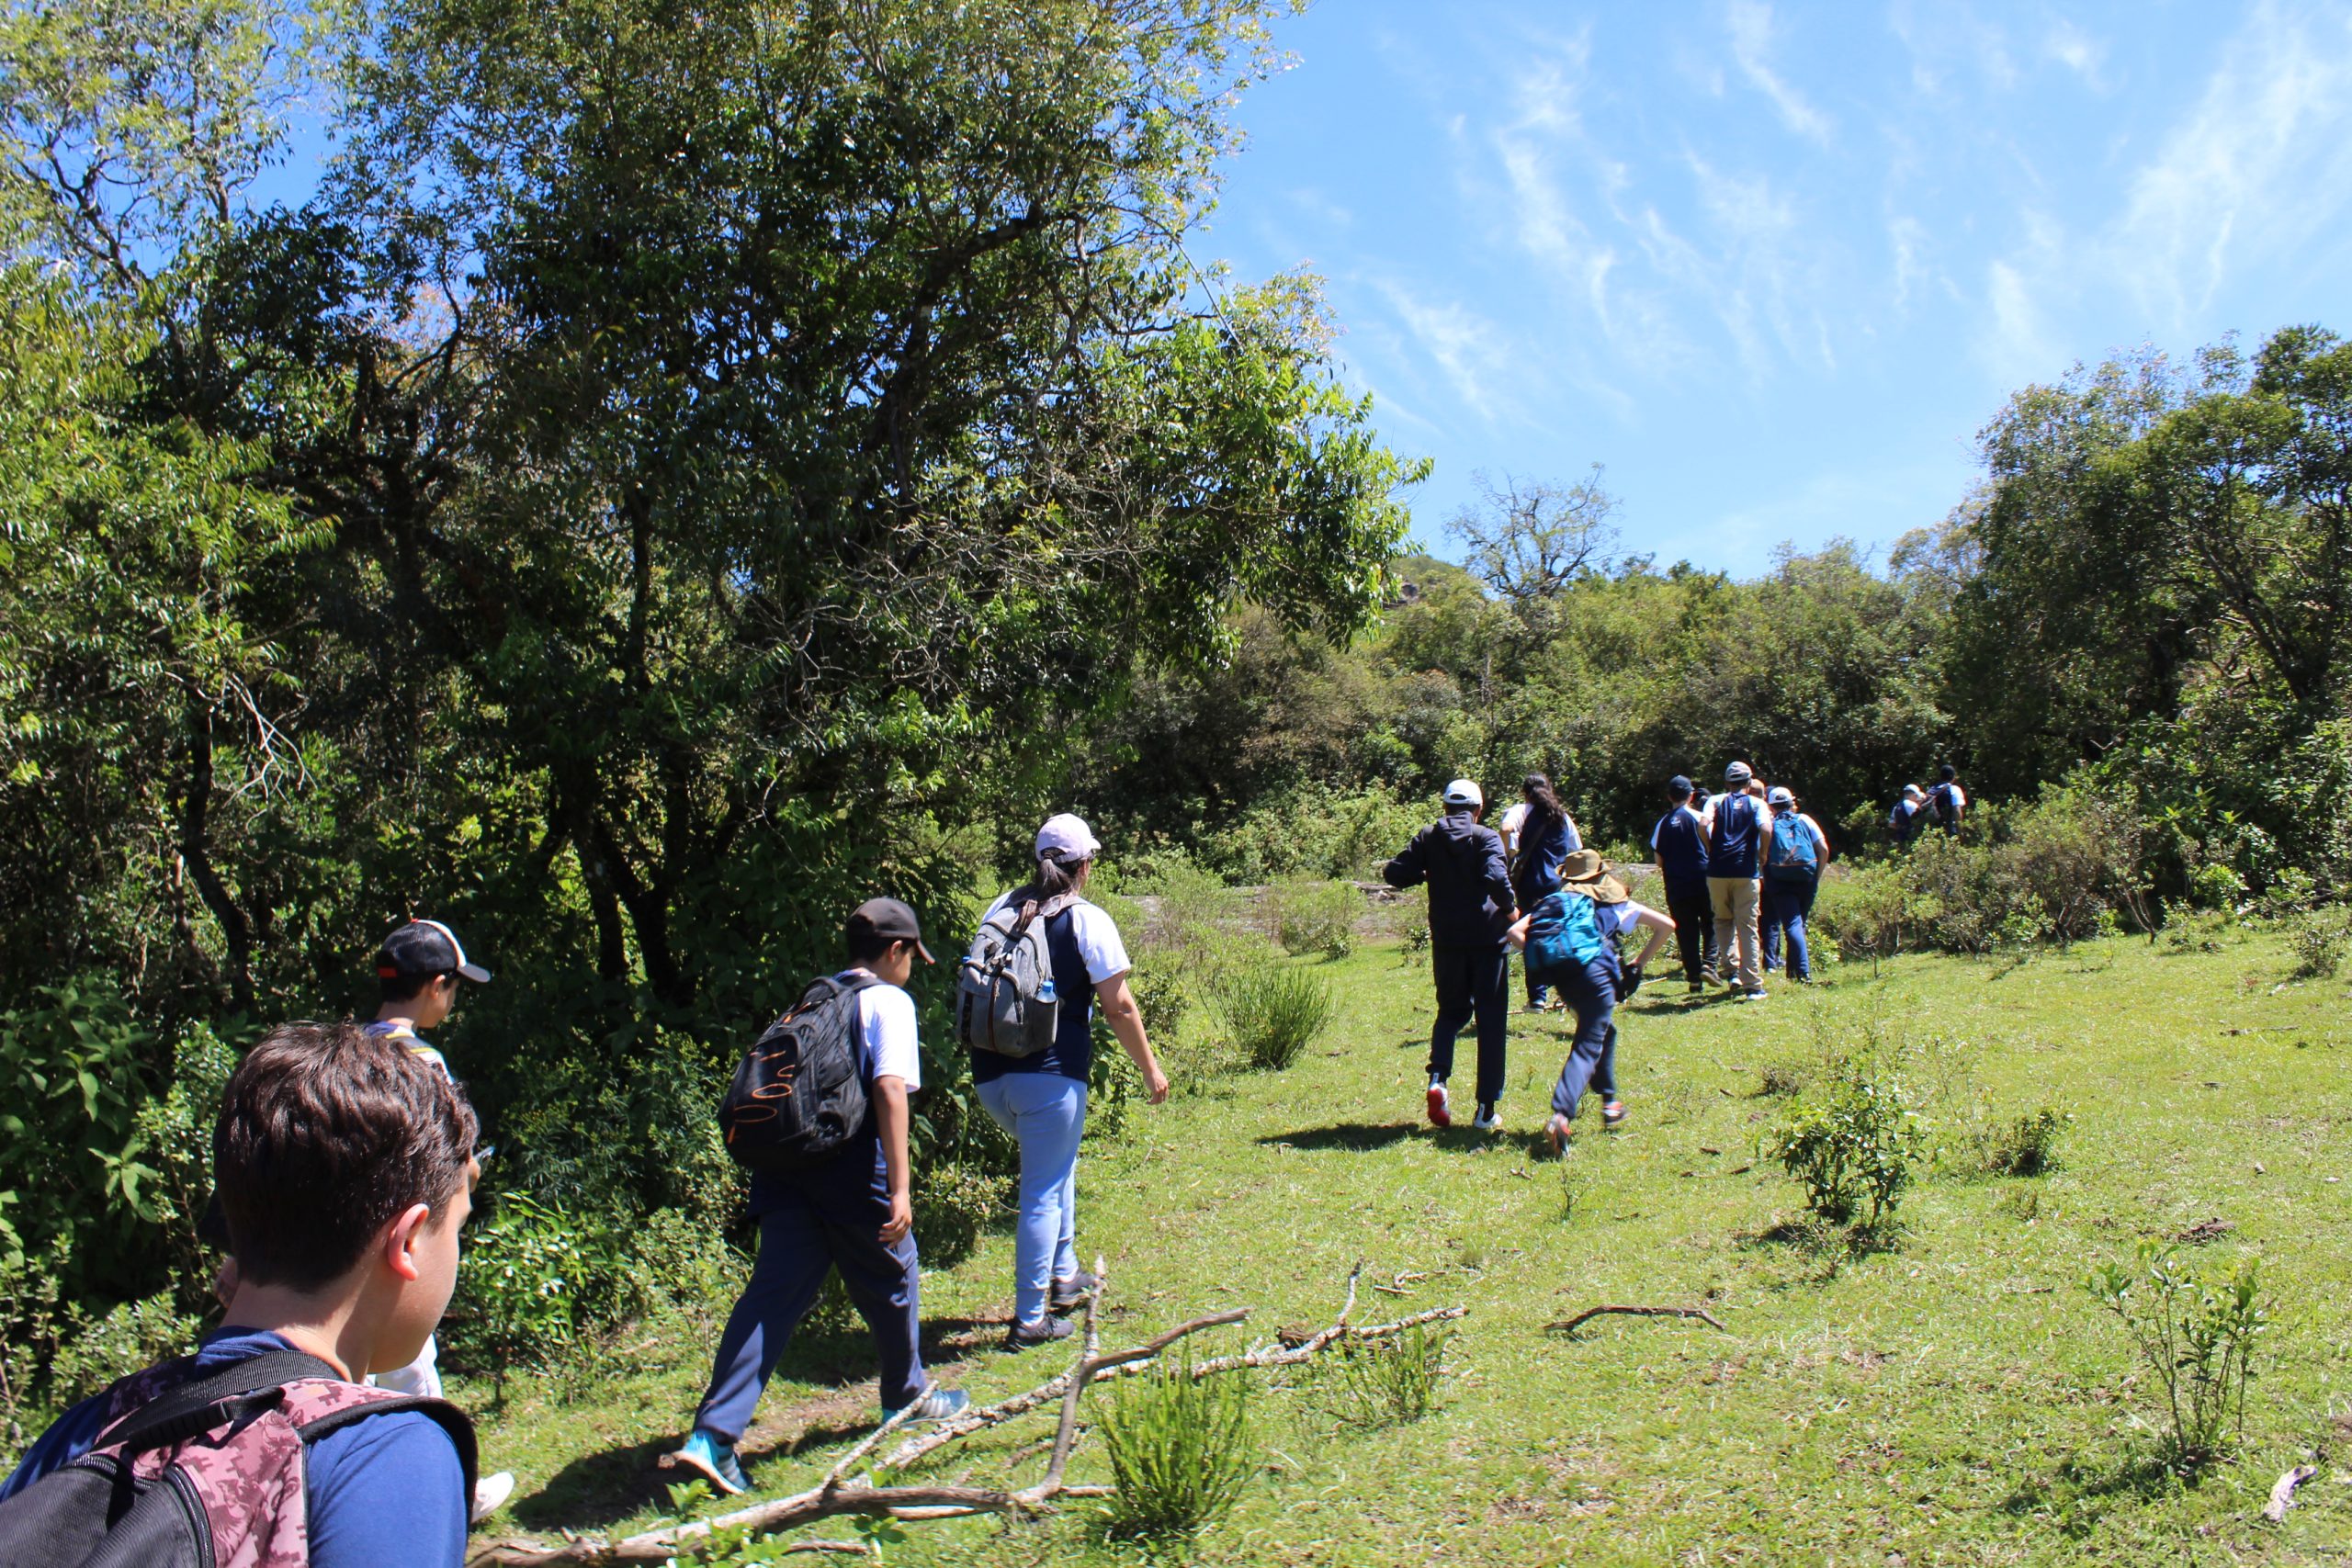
836 1495
1569 1325
2282 1492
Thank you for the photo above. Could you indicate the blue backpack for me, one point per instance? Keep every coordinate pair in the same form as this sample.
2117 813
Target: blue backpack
1792 849
1563 933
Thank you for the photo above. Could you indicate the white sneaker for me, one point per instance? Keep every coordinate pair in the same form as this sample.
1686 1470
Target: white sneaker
1755 995
491 1493
1485 1121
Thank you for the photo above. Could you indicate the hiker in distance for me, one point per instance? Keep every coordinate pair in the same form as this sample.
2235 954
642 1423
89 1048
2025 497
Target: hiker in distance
1947 802
831 1187
1910 812
1738 827
1545 835
1572 938
1797 851
1471 909
1678 842
1024 1007
345 1166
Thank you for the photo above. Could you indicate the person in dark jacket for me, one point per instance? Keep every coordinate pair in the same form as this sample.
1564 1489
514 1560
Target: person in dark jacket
1680 844
1470 915
1545 838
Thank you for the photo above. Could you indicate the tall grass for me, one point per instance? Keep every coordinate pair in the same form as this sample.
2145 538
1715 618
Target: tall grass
1181 1448
1273 1011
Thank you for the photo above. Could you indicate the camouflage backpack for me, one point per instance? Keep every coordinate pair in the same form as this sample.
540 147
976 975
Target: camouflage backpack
201 1472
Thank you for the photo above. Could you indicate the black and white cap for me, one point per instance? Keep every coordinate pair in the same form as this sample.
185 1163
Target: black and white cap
422 948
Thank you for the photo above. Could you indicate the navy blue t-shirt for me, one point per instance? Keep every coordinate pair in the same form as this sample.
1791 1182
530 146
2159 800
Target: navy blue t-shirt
387 1488
1680 841
1737 836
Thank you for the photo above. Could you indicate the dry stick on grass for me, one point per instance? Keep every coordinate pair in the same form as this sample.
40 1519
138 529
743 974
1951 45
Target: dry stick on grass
2282 1492
832 1497
1569 1325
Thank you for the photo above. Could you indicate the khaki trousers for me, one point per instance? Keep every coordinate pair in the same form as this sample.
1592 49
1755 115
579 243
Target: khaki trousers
1735 902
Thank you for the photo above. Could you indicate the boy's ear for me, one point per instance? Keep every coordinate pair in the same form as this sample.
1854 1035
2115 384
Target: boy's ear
403 1237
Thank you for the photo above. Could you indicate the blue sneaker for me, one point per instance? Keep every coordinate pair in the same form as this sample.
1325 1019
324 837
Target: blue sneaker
715 1461
938 1403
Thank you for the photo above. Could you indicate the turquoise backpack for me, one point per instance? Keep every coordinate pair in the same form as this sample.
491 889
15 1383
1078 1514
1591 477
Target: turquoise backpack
1563 933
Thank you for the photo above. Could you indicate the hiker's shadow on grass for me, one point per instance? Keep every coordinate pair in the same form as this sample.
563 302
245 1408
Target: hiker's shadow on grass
1360 1137
597 1489
843 1354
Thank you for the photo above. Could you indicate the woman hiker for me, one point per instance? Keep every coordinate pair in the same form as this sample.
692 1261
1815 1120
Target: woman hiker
1571 941
1041 1099
1545 838
1796 853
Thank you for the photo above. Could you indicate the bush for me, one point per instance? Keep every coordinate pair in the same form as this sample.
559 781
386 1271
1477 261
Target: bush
1273 1011
953 1206
1852 1142
1367 1383
1181 1448
1315 917
521 1297
2027 1146
2318 942
2197 1332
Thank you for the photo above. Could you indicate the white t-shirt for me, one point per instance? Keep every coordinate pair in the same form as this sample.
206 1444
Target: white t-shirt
885 1017
1513 820
1099 943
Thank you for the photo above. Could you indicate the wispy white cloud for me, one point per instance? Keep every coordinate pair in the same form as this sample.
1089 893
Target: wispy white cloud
2265 157
1473 353
1751 45
2018 348
1949 42
2078 51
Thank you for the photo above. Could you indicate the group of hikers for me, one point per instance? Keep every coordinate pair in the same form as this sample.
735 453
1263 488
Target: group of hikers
311 1427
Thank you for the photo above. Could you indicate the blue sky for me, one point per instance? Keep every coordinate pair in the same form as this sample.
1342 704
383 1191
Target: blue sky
1774 265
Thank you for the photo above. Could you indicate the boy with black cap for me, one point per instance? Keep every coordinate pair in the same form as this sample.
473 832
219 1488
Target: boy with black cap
853 1213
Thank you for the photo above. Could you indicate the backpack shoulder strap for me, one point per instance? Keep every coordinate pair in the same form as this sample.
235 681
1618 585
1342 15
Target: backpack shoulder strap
315 1417
198 1407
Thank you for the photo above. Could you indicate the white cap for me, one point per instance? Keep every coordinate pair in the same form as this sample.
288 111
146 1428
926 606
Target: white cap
1780 795
1067 839
1912 791
1464 792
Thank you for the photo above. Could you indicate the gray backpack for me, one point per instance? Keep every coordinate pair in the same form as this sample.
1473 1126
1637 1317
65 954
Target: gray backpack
1005 998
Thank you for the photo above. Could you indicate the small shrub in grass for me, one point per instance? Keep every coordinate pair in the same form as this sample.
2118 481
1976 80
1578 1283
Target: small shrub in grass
1852 1142
1273 1011
1368 1383
2026 1146
1780 1079
2318 944
1181 1449
2196 1331
1316 917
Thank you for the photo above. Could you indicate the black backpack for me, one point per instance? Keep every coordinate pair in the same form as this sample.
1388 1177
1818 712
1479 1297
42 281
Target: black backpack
230 1486
800 1094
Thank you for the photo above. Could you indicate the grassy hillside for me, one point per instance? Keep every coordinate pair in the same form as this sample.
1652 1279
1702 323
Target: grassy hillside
1958 1398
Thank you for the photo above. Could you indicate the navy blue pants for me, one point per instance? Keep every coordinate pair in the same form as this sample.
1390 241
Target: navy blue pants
1472 981
811 1222
1786 905
1693 910
1591 989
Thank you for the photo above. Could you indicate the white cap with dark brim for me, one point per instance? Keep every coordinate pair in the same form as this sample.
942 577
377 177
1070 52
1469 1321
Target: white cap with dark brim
1464 792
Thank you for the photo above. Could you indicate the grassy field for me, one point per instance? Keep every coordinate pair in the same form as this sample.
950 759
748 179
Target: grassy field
1958 1398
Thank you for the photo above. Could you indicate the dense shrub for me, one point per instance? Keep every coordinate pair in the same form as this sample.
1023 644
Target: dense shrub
1315 917
1851 1140
1181 1448
1273 1011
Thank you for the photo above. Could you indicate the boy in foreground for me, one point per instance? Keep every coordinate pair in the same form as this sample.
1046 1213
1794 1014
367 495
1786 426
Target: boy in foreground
1471 907
855 1213
345 1166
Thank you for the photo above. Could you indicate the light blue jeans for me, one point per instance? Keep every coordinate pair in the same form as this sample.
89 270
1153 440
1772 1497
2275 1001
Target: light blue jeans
1045 1112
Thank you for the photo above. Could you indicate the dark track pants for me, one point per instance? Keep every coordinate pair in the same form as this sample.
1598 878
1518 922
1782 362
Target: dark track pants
1693 913
1786 906
1472 981
826 1219
1592 1059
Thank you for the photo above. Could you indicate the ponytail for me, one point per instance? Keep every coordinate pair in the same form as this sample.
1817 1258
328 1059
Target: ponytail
1056 879
1542 800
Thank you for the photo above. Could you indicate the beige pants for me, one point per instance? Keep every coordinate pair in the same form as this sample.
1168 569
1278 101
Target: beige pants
1734 901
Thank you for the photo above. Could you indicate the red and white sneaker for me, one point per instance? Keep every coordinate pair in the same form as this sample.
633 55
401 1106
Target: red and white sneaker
1441 1109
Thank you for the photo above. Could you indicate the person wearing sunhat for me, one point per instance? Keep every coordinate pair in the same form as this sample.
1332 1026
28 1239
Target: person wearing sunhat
852 1213
1573 936
1471 906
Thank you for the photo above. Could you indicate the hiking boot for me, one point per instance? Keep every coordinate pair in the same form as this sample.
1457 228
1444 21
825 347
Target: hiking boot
704 1452
1074 1291
937 1404
1698 987
1613 1114
1485 1121
1561 1133
491 1493
1441 1108
1028 1336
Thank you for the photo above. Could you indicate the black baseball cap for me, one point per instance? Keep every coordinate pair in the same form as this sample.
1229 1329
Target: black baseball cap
421 948
1679 786
889 921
